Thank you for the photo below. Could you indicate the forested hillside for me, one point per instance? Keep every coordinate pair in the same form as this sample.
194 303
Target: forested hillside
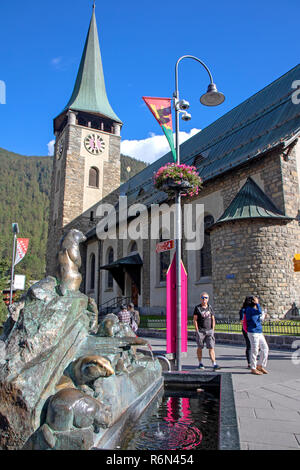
24 198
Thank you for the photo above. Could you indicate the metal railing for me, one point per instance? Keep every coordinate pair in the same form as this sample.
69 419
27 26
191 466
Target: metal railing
280 327
110 305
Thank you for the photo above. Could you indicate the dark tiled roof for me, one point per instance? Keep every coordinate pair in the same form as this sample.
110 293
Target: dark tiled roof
264 121
250 202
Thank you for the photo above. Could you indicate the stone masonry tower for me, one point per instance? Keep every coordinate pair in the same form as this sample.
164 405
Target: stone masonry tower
86 163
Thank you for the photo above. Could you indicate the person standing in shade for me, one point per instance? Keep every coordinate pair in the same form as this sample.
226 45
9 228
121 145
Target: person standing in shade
244 329
256 337
204 323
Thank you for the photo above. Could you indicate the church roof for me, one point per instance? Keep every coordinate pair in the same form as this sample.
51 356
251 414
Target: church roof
89 92
264 121
250 202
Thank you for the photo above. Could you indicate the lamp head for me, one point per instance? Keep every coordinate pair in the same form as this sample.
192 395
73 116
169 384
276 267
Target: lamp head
186 116
184 105
212 97
15 228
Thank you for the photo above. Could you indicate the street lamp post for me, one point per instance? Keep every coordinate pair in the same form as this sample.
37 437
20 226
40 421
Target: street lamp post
211 98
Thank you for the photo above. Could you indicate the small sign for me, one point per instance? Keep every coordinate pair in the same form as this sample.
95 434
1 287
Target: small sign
230 276
19 283
296 263
165 246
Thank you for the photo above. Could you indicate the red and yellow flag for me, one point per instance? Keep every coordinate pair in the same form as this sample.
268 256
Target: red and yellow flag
162 111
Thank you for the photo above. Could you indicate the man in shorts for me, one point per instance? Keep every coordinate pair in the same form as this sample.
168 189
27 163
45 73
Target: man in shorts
204 323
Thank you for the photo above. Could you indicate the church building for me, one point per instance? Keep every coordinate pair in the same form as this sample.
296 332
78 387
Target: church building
249 161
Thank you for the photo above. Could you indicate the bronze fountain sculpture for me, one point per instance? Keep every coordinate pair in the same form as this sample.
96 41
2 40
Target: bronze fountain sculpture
66 382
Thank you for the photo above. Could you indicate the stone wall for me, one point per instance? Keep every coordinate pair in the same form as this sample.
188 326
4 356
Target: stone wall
258 256
259 253
112 168
70 213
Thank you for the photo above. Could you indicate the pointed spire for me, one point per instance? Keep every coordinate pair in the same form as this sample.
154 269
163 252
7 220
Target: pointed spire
89 92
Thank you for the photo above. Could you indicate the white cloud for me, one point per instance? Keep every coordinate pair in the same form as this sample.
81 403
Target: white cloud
56 61
152 148
148 150
50 146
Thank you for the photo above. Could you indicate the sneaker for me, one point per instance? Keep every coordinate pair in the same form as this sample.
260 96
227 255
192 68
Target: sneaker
201 366
216 367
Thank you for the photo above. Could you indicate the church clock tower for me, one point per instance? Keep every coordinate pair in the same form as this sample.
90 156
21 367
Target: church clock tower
86 164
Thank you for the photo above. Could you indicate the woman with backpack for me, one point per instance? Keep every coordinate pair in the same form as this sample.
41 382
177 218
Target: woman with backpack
258 342
244 328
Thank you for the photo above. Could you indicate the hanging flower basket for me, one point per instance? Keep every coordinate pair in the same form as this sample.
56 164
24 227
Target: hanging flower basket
173 178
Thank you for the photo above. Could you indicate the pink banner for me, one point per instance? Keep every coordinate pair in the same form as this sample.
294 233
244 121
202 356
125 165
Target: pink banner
172 308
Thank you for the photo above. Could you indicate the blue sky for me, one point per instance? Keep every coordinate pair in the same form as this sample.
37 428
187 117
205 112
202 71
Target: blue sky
246 45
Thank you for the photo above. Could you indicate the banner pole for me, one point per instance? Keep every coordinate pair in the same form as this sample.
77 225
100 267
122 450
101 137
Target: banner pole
178 230
12 268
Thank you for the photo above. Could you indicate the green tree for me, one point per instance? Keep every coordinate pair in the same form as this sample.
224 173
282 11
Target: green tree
4 284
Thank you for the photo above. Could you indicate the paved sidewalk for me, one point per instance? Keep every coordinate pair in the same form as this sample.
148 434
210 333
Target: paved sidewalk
268 406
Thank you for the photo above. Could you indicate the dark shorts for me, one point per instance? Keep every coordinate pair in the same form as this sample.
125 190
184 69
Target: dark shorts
207 337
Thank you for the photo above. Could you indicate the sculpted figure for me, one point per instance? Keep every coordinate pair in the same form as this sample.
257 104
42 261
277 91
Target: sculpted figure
70 408
87 369
64 382
69 261
110 326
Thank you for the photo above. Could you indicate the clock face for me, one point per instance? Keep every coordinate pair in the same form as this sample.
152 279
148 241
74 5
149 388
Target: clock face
94 144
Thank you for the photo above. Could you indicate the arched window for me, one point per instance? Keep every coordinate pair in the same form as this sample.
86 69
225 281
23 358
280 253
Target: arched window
133 247
57 181
94 177
164 261
92 271
205 252
110 258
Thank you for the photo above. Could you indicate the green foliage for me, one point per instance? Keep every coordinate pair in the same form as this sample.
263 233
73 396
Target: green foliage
134 166
24 195
4 284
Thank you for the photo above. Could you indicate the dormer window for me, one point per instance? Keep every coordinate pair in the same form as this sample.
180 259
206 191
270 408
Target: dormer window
198 160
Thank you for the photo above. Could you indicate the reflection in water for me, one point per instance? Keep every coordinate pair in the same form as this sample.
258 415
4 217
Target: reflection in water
176 423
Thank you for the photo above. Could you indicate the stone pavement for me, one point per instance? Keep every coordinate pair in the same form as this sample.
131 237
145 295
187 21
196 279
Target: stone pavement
268 406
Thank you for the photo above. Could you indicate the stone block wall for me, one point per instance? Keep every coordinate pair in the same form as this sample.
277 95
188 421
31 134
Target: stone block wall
112 168
258 254
70 212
